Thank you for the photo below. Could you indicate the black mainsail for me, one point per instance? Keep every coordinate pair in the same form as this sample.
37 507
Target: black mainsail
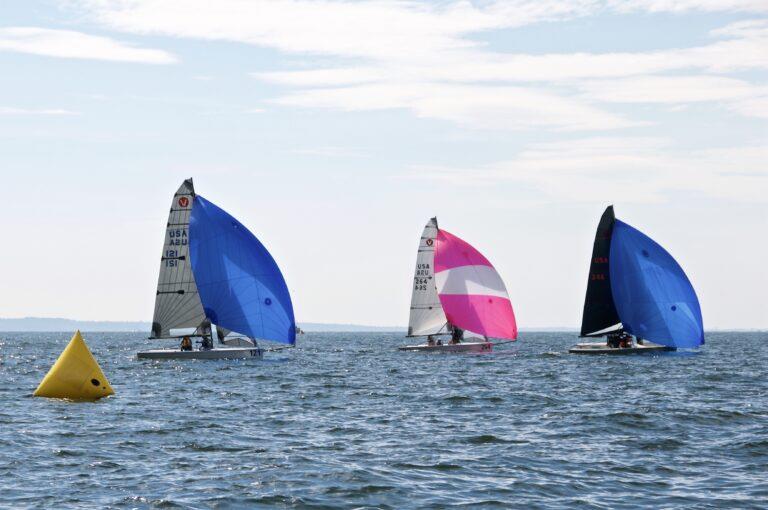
599 310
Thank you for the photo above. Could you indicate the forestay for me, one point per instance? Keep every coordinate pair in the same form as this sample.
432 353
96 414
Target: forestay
177 303
652 293
240 285
471 292
427 316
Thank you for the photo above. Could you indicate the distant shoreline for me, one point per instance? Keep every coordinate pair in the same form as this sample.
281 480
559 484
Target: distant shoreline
55 325
58 325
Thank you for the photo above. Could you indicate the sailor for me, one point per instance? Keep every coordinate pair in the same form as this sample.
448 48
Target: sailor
614 341
430 340
625 341
206 344
186 344
439 341
456 335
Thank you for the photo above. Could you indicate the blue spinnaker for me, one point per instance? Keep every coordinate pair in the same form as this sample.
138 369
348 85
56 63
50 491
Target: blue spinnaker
240 285
653 296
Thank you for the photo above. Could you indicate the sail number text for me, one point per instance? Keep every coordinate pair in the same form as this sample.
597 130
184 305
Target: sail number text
171 258
176 237
421 280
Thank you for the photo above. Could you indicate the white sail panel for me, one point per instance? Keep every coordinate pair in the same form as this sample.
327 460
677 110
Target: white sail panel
427 316
177 304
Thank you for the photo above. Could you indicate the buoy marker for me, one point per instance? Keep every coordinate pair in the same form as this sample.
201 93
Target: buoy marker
75 375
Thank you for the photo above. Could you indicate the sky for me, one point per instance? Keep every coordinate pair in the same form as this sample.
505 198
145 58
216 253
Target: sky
335 129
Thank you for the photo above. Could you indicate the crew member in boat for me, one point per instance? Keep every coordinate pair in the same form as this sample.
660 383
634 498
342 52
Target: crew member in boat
186 344
625 340
206 344
430 340
621 340
456 335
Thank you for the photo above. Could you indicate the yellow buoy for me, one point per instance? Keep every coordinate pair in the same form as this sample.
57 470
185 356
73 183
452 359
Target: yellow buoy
75 375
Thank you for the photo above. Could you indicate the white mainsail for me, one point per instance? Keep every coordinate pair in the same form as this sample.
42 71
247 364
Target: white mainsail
177 304
427 316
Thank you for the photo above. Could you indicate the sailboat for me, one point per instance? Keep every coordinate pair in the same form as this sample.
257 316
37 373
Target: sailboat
638 296
215 274
457 294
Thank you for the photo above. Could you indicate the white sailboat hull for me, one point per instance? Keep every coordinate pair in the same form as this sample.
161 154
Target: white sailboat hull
219 353
603 348
462 347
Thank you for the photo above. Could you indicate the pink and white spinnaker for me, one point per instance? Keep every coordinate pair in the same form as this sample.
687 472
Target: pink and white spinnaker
471 292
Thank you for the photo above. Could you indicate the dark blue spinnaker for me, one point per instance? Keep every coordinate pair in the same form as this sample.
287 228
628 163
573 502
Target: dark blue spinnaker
240 285
653 296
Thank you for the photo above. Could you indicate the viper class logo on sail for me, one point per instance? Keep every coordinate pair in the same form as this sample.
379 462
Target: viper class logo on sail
183 201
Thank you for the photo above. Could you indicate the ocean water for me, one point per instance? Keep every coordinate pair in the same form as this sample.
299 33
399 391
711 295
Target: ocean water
346 421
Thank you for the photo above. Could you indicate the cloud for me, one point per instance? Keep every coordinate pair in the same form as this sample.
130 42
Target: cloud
366 28
754 107
628 168
4 110
71 44
671 89
487 107
427 58
332 152
688 5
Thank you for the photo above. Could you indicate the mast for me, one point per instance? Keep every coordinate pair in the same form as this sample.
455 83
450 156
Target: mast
426 315
600 315
177 303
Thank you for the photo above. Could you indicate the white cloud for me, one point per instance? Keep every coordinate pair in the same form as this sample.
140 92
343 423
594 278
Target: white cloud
331 152
369 29
689 5
671 89
71 44
753 107
425 57
4 110
487 107
626 168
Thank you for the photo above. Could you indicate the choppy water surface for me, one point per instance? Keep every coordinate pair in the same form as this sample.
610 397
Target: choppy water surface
346 421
